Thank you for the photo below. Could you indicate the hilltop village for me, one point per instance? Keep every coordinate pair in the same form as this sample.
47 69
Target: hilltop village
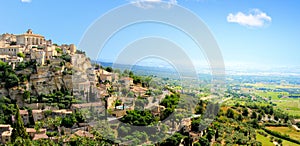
47 82
53 94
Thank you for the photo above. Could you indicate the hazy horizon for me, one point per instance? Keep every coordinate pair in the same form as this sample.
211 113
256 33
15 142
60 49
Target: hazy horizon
249 34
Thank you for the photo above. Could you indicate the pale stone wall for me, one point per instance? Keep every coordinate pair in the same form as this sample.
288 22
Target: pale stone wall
30 39
11 50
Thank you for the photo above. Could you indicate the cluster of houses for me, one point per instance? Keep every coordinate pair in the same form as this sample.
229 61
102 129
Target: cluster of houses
6 130
38 115
32 46
29 46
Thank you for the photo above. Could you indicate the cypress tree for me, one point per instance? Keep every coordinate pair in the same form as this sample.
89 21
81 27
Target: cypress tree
18 125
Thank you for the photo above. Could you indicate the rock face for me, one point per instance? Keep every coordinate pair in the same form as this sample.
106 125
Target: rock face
77 77
49 79
83 78
17 94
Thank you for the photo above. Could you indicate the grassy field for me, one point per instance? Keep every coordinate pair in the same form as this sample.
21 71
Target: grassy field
273 95
286 130
291 106
288 143
264 140
271 86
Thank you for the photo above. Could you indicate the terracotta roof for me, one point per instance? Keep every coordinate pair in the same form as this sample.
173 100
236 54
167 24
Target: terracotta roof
297 120
194 134
63 111
32 130
40 136
126 78
23 112
83 105
6 133
4 126
83 134
36 111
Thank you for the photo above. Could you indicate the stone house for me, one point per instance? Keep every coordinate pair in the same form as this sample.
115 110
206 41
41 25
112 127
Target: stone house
35 135
29 38
25 116
11 50
37 115
98 106
295 121
126 81
82 133
62 112
39 55
5 131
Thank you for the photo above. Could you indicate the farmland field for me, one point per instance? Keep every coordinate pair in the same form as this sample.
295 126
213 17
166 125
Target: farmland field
264 140
291 106
286 130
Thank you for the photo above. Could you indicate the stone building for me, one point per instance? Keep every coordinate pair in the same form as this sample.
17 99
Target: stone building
25 116
11 50
36 135
37 115
38 55
29 38
126 81
69 49
5 132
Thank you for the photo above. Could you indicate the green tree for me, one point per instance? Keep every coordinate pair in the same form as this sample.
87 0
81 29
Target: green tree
48 61
230 113
22 142
38 125
239 117
254 115
298 124
259 117
26 95
245 112
11 80
109 69
174 140
200 108
210 134
21 55
69 121
18 126
203 141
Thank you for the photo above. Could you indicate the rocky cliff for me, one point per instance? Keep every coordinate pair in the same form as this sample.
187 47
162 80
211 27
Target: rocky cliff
76 76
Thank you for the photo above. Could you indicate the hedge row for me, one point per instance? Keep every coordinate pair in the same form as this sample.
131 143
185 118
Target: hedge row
279 135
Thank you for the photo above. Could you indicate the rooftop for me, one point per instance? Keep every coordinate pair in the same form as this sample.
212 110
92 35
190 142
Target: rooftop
23 112
40 136
84 105
126 78
63 111
6 133
4 126
36 111
30 33
32 130
83 134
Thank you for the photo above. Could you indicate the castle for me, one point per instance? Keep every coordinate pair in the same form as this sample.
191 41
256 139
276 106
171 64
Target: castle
30 46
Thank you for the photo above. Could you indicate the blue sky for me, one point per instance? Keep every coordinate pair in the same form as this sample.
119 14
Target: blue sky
269 37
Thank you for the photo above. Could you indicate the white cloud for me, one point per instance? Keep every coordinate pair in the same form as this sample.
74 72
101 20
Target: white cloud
25 1
149 3
255 18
